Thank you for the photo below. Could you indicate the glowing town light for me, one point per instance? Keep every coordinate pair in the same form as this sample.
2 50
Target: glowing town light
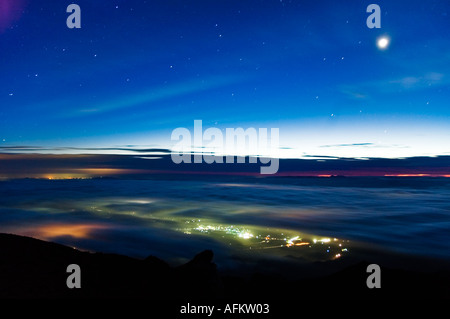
291 241
245 235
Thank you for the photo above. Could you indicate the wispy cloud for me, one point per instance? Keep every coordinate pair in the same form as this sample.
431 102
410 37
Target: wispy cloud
150 95
353 92
81 150
365 145
419 82
346 145
394 85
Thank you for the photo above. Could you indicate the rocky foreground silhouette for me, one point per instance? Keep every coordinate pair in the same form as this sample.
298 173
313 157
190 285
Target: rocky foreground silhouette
31 268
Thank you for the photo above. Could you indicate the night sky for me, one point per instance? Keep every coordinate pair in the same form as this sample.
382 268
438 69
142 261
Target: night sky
136 70
362 169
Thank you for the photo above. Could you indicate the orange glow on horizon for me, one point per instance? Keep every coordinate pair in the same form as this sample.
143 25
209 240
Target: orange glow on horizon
75 173
48 232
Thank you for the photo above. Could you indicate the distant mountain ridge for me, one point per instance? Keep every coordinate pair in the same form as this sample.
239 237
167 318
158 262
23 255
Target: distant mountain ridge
141 166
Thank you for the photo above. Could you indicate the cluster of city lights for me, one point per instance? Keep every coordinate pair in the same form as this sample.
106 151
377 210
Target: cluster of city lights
331 246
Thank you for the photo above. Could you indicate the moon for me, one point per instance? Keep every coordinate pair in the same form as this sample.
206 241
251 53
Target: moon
383 42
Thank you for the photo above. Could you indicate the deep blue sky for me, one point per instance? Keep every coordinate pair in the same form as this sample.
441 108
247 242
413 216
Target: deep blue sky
138 69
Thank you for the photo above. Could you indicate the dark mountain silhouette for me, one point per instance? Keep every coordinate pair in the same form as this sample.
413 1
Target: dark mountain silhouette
31 268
